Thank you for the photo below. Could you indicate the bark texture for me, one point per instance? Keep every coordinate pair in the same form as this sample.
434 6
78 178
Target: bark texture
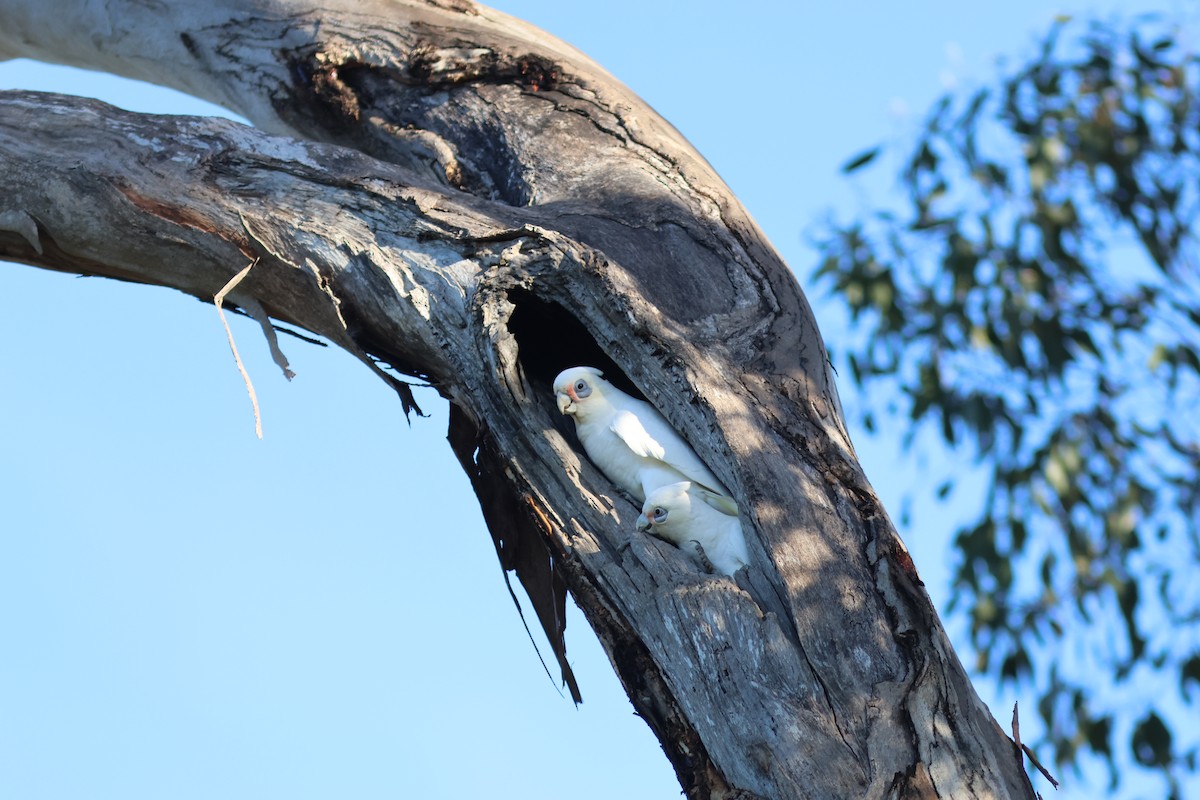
461 197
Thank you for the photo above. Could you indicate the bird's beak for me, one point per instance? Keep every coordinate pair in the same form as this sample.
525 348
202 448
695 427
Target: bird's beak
643 524
565 404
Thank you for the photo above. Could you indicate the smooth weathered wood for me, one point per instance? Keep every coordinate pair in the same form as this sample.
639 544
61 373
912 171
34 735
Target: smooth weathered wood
519 211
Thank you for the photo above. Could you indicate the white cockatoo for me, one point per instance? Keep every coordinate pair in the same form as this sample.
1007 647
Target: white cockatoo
689 517
632 444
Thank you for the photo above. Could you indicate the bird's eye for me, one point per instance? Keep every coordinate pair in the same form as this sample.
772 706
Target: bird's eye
582 389
659 514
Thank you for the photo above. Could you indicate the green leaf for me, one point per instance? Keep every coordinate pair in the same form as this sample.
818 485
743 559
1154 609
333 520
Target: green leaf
1056 475
1048 563
1099 735
860 160
1189 673
1083 340
1128 595
1016 665
855 369
1030 299
1158 355
1151 742
1019 534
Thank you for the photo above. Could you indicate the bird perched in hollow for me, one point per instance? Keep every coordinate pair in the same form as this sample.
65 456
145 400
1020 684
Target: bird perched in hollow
685 515
632 444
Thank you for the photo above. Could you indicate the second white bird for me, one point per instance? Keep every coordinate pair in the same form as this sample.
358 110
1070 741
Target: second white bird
685 515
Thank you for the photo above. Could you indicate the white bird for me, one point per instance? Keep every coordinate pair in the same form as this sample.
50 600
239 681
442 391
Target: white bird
632 444
685 515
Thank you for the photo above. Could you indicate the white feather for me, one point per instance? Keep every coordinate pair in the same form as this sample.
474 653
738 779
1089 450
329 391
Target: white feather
681 514
632 444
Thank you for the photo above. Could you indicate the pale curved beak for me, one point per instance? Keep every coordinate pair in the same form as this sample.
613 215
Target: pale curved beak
643 524
565 404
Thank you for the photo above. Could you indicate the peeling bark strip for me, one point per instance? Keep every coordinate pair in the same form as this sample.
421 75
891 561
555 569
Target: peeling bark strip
480 206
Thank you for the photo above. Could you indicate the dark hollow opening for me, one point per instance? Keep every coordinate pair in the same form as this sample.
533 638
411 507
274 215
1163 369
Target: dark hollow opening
550 339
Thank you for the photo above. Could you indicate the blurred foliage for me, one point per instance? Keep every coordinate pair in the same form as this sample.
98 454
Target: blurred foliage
1036 301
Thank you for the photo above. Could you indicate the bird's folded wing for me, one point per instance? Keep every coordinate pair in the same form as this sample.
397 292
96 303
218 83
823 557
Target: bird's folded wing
720 502
631 430
651 436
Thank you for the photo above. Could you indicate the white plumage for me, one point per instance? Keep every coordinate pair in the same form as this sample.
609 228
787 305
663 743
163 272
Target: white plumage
631 443
685 515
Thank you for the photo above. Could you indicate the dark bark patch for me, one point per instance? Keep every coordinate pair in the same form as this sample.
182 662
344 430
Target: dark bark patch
333 87
551 339
443 67
538 74
461 6
187 218
190 45
915 784
172 213
327 95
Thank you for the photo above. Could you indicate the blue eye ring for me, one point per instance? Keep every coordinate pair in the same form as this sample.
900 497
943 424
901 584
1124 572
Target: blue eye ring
582 389
658 514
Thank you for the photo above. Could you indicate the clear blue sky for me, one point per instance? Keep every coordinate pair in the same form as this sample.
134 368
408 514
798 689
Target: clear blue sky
187 612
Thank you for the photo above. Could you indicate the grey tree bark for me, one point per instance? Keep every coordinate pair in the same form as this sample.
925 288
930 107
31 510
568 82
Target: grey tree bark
461 197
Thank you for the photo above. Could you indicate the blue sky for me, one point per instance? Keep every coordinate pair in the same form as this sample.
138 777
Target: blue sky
189 612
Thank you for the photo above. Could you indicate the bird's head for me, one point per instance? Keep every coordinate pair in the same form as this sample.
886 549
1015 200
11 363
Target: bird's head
666 509
578 388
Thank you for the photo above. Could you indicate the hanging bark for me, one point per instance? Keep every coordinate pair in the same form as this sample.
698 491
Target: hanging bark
464 199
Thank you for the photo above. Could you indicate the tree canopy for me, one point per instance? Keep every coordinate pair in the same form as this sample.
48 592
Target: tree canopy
1035 301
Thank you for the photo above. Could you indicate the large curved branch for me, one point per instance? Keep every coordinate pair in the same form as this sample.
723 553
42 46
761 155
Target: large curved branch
481 102
564 222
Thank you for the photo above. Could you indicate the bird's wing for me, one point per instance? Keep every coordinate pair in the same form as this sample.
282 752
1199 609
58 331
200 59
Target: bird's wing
720 502
633 433
649 435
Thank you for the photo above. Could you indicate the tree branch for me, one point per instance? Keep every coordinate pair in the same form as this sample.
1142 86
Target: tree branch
564 223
